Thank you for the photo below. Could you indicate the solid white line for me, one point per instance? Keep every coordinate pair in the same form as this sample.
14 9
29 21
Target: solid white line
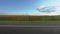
28 26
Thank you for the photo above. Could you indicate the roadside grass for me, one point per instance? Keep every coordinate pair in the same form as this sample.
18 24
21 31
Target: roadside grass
29 20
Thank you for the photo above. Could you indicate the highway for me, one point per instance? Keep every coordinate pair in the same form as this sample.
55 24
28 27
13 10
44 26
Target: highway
30 24
30 27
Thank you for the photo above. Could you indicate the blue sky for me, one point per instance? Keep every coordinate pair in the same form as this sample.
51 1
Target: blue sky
20 7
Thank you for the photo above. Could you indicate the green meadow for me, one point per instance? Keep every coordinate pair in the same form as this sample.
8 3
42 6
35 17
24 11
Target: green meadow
22 18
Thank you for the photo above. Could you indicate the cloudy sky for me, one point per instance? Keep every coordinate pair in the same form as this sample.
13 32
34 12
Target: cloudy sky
24 7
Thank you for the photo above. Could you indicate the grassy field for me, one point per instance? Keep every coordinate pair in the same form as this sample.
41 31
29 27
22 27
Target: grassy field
30 21
17 18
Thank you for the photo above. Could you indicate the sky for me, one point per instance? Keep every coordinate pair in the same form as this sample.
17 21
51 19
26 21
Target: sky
28 7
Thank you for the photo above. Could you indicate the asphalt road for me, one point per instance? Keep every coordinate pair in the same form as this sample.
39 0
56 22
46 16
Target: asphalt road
30 24
29 28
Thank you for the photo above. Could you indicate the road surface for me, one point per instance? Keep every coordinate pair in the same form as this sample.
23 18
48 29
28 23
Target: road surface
30 27
30 24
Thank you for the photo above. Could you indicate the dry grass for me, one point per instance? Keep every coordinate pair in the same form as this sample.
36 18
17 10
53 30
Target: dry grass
29 18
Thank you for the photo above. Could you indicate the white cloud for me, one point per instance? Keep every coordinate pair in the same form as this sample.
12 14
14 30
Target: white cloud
49 7
49 10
